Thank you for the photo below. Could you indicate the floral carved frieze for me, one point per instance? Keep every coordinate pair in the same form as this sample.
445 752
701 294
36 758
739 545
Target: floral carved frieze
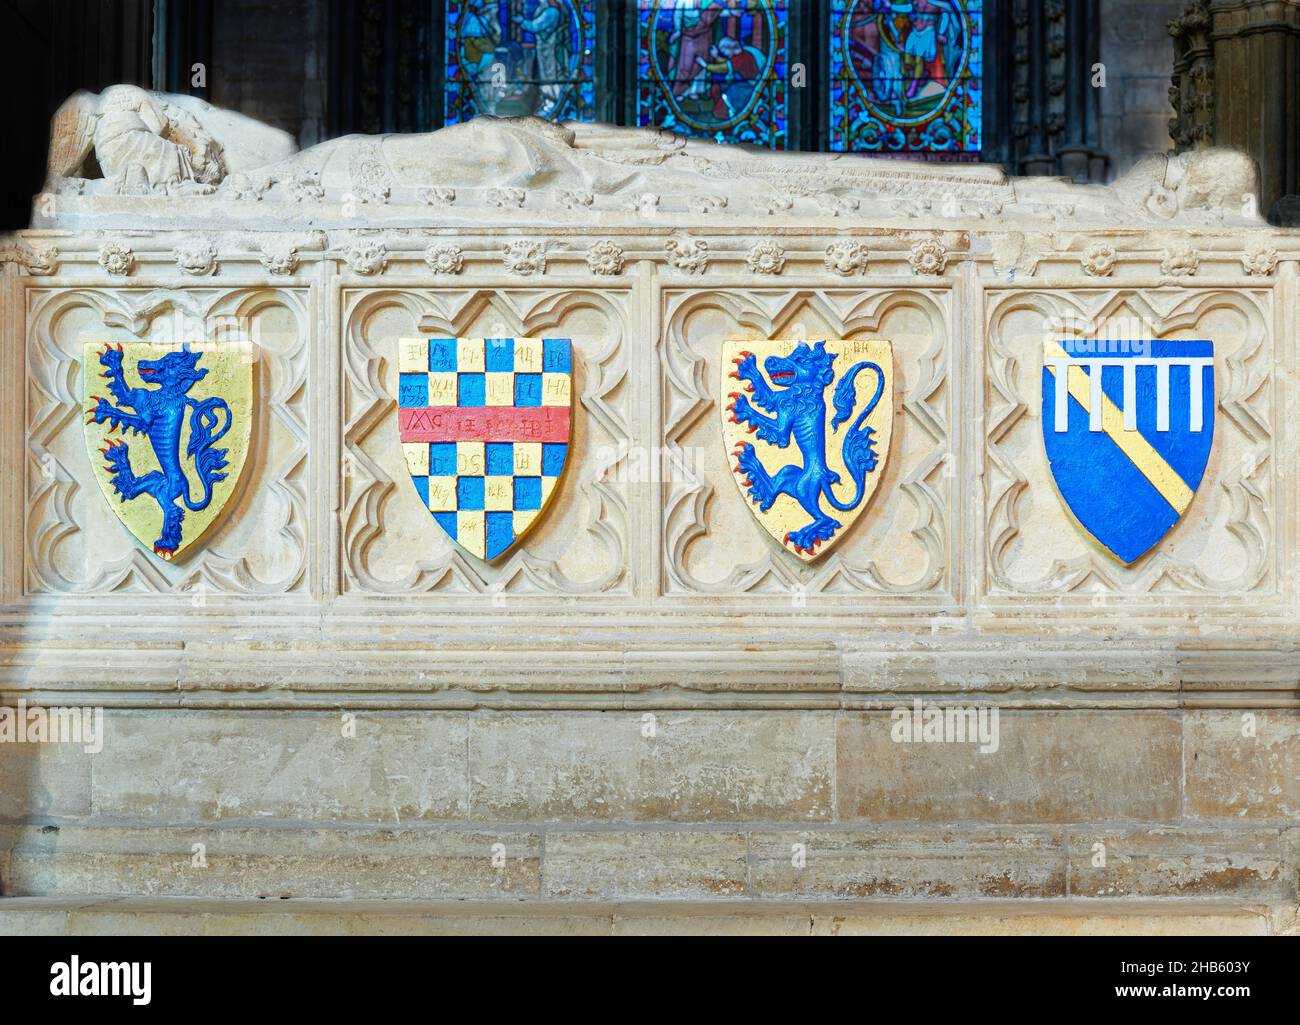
1098 260
1259 260
366 256
505 198
36 260
279 257
196 257
928 257
846 258
1180 260
437 196
444 259
574 199
304 188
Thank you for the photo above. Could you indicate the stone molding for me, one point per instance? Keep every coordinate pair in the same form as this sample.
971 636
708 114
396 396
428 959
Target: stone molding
22 916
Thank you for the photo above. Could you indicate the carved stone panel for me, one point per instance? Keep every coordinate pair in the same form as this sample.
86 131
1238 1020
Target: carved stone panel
391 545
712 545
73 541
1226 544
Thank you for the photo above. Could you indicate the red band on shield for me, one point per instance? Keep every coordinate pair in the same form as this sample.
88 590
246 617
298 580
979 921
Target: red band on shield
484 423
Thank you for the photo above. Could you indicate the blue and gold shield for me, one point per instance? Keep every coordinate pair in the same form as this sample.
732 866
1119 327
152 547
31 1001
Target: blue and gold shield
167 430
484 425
1128 427
808 426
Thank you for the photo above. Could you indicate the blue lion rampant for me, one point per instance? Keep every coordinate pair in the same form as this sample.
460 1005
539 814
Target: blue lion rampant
159 413
798 405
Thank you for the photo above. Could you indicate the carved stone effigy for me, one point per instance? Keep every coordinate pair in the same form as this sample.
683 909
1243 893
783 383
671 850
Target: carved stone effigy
637 576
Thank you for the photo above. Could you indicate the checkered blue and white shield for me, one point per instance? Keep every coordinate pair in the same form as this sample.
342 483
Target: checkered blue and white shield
485 427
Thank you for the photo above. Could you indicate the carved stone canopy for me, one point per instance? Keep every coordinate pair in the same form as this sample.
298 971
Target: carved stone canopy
167 161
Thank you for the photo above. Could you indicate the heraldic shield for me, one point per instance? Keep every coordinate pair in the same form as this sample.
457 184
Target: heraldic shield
808 427
1128 427
484 425
167 430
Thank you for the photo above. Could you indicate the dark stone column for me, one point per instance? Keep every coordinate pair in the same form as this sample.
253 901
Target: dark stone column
1054 107
187 41
385 66
1236 83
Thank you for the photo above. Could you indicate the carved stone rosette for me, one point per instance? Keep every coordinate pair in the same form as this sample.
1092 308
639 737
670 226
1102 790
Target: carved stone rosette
928 257
116 259
765 257
605 257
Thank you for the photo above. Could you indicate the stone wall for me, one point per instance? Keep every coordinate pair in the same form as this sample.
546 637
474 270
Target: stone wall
648 700
1139 57
269 62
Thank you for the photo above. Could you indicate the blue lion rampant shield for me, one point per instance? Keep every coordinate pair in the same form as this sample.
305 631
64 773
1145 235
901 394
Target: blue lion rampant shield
808 427
484 425
1128 427
167 430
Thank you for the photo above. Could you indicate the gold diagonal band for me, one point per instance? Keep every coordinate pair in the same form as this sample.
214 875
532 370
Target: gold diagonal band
1173 489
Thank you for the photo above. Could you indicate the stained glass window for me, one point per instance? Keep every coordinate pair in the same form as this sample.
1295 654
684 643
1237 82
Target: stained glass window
906 76
510 57
714 68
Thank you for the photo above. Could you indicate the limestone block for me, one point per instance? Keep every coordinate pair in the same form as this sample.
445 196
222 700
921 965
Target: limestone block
644 865
647 699
208 766
875 863
389 543
1178 862
179 916
1040 555
1291 860
695 768
44 781
259 545
1243 768
265 862
1049 767
1130 920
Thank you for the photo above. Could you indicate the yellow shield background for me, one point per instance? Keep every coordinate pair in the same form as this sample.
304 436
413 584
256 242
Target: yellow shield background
229 367
787 516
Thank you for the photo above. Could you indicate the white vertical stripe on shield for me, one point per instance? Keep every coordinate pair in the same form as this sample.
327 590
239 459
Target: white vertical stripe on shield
1094 397
1162 395
1062 367
1130 396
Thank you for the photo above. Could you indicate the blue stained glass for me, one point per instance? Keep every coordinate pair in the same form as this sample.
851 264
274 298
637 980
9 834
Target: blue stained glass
714 68
511 57
906 77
